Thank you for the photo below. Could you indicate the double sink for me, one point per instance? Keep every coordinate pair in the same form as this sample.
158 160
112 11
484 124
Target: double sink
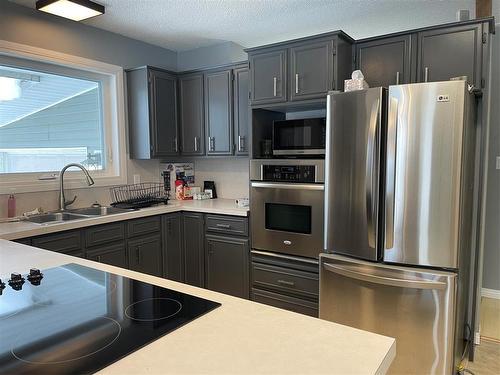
75 214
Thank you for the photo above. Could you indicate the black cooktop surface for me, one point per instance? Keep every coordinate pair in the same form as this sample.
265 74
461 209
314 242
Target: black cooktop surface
79 319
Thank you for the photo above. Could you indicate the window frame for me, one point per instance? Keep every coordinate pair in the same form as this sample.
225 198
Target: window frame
111 78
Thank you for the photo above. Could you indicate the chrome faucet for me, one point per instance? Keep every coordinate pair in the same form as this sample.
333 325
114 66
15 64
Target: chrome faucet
62 199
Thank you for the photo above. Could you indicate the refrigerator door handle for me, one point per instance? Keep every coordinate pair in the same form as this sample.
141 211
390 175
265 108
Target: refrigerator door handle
391 281
370 176
390 172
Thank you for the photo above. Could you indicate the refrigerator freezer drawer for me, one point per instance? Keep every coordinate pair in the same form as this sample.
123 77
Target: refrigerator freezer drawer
414 306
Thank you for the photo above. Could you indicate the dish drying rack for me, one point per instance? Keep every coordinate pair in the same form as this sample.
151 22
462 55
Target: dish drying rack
141 195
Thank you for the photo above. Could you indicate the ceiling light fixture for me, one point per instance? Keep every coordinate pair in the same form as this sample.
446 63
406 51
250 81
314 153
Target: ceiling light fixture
75 10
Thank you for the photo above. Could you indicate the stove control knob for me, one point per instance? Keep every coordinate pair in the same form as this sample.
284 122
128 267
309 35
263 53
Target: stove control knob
16 281
35 276
2 286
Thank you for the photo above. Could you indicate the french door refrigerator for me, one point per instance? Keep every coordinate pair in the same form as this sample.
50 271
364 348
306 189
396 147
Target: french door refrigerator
398 218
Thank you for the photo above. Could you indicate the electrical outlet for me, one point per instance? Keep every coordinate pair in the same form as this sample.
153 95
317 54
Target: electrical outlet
498 162
137 178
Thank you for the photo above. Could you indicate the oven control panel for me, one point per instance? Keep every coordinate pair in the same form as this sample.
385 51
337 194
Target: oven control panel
289 173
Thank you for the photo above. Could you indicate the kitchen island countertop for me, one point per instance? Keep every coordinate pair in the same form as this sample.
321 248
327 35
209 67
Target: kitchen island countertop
240 337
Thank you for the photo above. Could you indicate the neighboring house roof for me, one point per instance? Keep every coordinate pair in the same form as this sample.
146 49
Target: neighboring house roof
39 95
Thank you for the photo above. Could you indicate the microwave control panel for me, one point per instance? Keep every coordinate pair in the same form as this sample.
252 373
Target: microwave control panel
289 173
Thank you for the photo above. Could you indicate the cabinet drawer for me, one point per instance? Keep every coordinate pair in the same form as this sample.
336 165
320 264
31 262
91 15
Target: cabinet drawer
104 234
64 242
285 302
285 280
227 224
145 225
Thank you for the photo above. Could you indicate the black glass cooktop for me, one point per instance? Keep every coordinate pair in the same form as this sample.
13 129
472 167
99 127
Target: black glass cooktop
79 319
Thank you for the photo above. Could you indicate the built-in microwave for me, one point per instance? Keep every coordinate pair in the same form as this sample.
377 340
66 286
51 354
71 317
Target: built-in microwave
299 137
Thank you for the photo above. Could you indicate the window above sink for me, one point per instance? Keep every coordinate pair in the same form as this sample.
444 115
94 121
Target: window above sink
57 109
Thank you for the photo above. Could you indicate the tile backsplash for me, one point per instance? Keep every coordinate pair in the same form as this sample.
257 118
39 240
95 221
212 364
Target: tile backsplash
231 178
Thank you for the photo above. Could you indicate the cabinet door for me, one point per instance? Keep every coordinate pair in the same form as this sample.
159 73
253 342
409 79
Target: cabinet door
311 72
68 242
450 52
191 114
240 110
194 263
218 116
163 109
145 254
173 256
227 265
115 255
385 62
268 77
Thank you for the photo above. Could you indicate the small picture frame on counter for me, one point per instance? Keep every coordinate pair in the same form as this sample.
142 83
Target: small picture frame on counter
209 187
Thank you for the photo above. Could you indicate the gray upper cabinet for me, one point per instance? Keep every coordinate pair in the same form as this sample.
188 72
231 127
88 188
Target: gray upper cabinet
311 70
152 104
240 110
386 61
218 115
268 78
450 52
192 114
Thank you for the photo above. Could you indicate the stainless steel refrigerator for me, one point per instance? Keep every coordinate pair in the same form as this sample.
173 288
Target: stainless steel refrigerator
398 218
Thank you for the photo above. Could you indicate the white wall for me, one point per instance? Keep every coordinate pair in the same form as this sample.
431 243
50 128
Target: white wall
230 176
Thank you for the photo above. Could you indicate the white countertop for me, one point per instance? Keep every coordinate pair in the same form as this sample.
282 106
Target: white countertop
240 337
23 229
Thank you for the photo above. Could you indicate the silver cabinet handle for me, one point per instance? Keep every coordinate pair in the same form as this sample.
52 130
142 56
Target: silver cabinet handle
196 143
296 83
370 176
225 226
426 74
275 86
211 143
392 281
176 146
390 172
286 282
397 78
241 143
138 254
271 185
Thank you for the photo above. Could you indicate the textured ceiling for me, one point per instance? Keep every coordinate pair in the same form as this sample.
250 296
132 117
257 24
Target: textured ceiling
187 24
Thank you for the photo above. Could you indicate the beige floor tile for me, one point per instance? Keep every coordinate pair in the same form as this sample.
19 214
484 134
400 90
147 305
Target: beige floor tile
490 318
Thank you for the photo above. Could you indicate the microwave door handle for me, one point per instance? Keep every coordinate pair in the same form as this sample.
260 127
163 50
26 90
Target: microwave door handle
383 280
371 173
269 185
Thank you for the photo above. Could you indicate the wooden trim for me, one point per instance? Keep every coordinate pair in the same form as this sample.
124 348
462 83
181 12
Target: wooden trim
483 8
490 293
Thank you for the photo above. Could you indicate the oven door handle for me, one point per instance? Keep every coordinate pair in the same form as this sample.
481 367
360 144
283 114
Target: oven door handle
271 185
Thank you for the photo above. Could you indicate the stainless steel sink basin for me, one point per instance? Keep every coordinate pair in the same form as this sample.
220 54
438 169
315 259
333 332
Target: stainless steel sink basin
54 217
97 211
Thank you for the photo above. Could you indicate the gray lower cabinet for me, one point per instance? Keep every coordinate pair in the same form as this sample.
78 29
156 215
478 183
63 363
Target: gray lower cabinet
450 52
173 254
386 61
145 254
311 70
286 282
240 109
268 76
218 115
193 247
191 114
68 242
152 105
227 265
114 254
